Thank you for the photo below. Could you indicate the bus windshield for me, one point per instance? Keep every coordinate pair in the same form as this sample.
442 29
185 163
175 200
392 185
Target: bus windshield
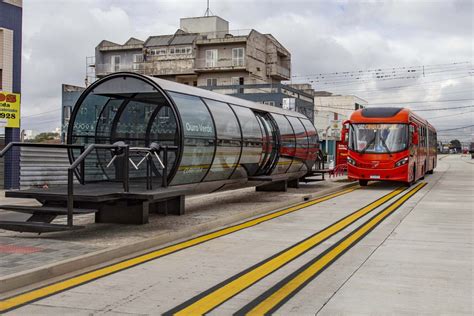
378 138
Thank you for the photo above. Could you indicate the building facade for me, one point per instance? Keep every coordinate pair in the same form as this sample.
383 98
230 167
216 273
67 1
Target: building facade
10 77
203 52
330 111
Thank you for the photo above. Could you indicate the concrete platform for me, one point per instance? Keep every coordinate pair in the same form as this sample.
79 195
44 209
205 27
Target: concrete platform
30 258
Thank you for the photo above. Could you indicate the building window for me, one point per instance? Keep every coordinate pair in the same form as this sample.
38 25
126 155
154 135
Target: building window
211 58
158 51
238 57
211 82
181 50
272 103
238 81
137 59
115 63
67 113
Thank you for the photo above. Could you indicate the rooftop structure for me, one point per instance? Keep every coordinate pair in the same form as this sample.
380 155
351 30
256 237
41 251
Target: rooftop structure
202 52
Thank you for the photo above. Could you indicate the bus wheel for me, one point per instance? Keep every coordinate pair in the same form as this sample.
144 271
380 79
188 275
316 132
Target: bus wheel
414 176
431 171
363 183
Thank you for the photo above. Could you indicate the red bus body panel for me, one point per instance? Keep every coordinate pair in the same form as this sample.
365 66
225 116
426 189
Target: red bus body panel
381 167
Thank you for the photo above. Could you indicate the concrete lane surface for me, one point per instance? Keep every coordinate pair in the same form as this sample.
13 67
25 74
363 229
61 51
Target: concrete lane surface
374 250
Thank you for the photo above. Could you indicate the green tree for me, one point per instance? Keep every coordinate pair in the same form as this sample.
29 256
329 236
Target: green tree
456 144
45 137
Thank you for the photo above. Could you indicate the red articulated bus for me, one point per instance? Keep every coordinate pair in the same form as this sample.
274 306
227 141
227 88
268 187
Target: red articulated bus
389 144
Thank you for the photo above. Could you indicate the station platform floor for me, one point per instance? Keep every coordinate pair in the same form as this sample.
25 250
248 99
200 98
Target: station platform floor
417 260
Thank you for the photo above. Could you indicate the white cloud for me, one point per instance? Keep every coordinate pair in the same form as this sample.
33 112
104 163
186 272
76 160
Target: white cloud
322 36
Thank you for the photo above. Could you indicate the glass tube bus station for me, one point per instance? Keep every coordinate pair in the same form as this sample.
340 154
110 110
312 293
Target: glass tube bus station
139 144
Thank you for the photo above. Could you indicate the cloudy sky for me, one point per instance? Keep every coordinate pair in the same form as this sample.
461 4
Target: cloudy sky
338 46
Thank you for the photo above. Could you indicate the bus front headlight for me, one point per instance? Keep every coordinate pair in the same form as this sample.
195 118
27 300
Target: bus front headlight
351 161
401 162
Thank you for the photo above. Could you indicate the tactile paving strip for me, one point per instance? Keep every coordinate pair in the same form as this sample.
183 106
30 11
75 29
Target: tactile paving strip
19 249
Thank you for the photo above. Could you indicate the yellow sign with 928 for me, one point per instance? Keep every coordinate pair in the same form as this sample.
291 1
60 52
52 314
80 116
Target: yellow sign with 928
9 109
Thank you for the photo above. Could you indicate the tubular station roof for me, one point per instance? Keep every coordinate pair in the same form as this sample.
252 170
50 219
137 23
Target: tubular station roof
186 89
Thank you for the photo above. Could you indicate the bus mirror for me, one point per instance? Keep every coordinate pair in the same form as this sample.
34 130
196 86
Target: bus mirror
414 138
344 131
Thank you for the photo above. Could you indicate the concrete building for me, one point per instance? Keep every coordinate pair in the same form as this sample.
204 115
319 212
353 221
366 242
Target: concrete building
10 77
202 52
330 111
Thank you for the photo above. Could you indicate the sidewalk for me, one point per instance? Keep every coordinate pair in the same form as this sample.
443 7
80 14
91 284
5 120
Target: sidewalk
29 258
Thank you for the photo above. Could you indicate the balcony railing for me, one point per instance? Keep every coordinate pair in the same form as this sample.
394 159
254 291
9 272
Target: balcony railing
280 72
155 68
212 64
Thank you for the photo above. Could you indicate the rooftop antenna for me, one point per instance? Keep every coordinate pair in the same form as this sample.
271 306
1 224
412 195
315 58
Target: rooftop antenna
208 11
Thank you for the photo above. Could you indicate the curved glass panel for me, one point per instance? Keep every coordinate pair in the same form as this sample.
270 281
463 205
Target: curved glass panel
301 149
228 141
287 145
103 134
163 129
130 128
118 109
313 142
252 151
199 139
84 132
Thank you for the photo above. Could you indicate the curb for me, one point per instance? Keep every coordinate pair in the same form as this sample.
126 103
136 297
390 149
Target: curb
74 266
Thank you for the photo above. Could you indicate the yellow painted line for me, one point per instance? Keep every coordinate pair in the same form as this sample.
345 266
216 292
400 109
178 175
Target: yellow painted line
210 299
21 299
286 289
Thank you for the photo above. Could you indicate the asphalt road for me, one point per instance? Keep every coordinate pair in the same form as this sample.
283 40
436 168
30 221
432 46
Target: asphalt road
375 250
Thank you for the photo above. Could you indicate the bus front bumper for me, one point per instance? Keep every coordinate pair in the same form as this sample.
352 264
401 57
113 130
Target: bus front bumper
393 174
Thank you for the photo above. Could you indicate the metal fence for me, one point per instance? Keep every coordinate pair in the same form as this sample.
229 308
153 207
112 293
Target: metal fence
43 166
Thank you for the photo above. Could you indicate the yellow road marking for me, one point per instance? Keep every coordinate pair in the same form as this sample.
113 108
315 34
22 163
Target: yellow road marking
48 290
297 280
213 297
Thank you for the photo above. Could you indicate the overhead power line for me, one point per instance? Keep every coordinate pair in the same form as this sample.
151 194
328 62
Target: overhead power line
438 101
449 115
426 67
456 128
402 86
444 109
39 114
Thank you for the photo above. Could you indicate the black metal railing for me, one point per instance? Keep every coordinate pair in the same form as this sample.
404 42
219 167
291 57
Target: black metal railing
117 149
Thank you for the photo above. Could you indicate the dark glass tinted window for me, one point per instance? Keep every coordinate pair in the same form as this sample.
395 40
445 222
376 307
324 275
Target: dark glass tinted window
313 140
164 131
199 139
228 143
84 132
197 121
225 161
301 151
225 120
249 123
88 113
287 147
133 121
252 141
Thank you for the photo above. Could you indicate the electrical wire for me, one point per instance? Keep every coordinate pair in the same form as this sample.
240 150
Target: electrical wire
386 69
39 114
444 116
456 128
438 101
444 109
